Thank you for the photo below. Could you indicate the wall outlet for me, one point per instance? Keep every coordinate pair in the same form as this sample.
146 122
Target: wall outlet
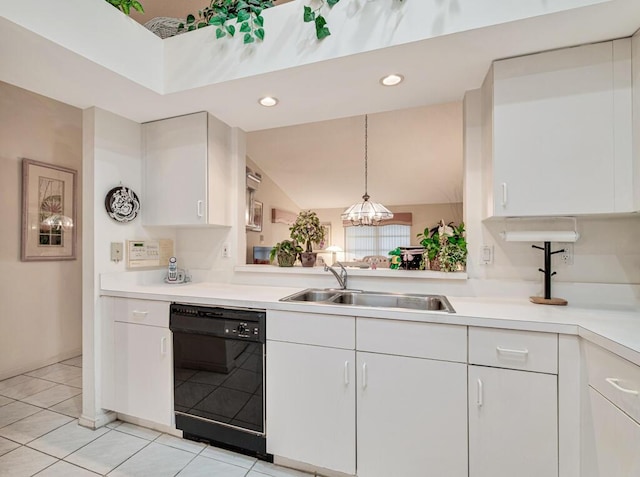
226 252
116 251
566 257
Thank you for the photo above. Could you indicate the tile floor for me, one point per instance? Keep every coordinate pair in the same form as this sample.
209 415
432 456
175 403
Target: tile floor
40 435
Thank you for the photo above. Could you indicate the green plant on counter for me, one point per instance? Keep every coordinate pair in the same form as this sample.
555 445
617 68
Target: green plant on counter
246 14
307 229
445 244
126 5
286 253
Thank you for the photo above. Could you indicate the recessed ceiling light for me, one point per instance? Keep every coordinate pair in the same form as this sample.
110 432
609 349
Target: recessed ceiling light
392 80
268 101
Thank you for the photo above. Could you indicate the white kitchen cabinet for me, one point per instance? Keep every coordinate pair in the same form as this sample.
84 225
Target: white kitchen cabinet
616 440
412 398
311 409
513 423
144 372
137 365
513 411
310 389
187 171
412 418
557 132
611 429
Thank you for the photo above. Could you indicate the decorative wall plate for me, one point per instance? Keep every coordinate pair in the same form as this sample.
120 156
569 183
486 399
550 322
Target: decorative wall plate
122 204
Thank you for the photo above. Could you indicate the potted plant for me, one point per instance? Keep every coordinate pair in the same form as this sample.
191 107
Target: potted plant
445 246
307 230
286 253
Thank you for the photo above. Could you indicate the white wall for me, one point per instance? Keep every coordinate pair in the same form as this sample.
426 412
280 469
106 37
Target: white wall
40 307
112 155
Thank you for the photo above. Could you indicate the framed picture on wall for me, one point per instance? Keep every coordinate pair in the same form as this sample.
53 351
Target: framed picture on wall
255 214
48 212
327 237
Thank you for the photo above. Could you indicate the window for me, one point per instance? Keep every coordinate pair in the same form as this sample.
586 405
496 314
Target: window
379 240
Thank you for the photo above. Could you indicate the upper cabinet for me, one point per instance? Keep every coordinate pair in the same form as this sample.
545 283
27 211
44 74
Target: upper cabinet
557 135
187 170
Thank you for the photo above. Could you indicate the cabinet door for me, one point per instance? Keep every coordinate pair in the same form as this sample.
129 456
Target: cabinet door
412 417
175 171
143 372
554 133
311 405
513 423
616 437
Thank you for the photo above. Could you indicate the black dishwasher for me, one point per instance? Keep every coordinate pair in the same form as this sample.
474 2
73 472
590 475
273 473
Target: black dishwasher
218 360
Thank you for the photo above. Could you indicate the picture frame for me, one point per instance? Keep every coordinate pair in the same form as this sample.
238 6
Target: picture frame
48 212
327 237
256 216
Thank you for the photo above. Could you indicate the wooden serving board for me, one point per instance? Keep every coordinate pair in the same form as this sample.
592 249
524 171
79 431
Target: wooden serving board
548 301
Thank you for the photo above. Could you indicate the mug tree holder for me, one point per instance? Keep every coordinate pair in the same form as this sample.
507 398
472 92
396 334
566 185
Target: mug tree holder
547 299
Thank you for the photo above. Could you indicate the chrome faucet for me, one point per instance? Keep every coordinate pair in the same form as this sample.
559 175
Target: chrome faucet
342 277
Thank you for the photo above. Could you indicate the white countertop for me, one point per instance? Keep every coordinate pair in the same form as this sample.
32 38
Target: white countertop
615 329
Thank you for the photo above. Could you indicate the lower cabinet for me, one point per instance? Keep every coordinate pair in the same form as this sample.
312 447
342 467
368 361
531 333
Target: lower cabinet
611 427
616 437
143 372
412 417
513 423
137 359
311 407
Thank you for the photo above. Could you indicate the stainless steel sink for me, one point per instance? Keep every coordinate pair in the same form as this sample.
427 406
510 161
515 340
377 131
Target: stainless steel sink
372 299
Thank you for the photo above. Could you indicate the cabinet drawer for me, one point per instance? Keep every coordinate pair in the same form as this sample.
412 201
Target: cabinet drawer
525 350
335 331
615 378
410 338
143 312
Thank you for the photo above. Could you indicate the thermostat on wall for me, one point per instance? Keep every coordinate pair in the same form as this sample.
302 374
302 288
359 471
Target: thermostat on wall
149 253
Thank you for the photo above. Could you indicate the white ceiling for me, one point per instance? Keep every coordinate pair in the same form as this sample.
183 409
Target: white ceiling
438 70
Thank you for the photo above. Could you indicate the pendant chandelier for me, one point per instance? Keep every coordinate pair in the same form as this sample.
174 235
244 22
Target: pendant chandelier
366 212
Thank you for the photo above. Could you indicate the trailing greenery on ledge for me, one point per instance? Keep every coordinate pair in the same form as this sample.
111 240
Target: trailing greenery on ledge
246 14
315 16
126 5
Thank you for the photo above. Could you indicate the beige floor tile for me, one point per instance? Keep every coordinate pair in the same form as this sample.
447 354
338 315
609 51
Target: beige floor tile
107 452
183 444
52 396
15 411
5 400
71 407
7 383
204 467
64 469
143 432
32 427
66 439
229 457
155 459
23 462
275 470
26 388
6 445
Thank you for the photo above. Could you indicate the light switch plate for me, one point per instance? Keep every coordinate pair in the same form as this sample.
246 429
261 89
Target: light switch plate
486 255
116 251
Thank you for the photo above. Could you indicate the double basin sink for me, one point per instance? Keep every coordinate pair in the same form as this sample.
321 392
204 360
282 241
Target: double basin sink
372 299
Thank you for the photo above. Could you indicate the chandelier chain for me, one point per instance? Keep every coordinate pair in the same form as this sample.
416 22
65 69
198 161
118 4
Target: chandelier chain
366 154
